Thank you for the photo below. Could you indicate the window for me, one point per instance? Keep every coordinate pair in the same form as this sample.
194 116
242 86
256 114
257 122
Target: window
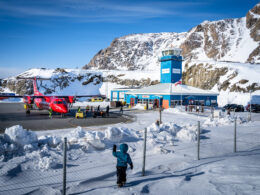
58 102
114 95
201 102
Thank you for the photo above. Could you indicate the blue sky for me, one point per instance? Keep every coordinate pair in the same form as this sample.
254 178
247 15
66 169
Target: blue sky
68 33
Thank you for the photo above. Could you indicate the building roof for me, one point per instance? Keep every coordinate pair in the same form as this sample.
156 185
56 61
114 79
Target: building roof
125 89
172 89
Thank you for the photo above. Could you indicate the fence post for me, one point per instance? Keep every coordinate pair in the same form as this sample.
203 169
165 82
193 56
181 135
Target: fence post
198 149
160 110
212 113
235 135
144 152
64 165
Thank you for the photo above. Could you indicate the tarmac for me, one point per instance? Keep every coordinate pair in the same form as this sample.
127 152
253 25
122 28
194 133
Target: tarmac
14 114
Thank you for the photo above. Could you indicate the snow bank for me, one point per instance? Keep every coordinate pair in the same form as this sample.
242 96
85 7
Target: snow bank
170 131
43 158
161 137
45 152
20 136
173 110
120 134
188 133
224 121
139 106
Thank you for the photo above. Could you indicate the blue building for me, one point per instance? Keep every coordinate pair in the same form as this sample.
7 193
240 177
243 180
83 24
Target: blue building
169 91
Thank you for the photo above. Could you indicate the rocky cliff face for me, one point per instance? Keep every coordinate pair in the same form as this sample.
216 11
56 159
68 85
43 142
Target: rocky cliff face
134 52
235 40
229 40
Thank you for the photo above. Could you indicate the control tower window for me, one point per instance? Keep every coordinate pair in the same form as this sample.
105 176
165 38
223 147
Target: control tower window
172 52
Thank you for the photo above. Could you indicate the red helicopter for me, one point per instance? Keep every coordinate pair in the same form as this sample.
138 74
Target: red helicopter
58 104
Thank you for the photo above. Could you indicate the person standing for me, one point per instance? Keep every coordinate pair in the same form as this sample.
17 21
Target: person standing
50 113
121 109
107 110
86 112
91 110
123 158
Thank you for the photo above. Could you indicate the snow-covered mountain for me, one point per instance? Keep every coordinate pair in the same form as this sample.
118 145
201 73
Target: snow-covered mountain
55 82
235 40
213 52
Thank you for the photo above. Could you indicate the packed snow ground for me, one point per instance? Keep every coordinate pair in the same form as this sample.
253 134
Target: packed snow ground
31 162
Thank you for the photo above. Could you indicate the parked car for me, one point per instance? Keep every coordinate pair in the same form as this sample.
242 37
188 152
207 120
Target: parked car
240 108
254 108
233 107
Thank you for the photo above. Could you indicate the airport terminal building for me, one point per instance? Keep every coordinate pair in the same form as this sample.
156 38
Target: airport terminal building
169 92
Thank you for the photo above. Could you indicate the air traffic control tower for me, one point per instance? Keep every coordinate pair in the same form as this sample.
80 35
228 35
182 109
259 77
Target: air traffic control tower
171 65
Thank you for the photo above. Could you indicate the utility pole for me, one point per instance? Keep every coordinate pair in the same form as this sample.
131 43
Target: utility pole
160 110
250 106
106 83
144 152
235 135
198 148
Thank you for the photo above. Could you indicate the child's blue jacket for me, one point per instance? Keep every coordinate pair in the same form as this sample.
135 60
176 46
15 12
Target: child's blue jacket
122 157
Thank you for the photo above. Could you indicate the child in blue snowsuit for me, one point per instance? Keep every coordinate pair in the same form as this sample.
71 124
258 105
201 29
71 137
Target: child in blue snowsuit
122 159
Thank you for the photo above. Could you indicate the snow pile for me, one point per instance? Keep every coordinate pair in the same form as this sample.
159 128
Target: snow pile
90 141
18 144
20 136
52 141
175 110
170 131
188 133
45 152
223 121
44 158
161 137
139 106
121 134
77 133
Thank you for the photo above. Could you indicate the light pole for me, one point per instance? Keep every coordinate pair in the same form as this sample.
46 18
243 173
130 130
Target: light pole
250 106
106 90
181 96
